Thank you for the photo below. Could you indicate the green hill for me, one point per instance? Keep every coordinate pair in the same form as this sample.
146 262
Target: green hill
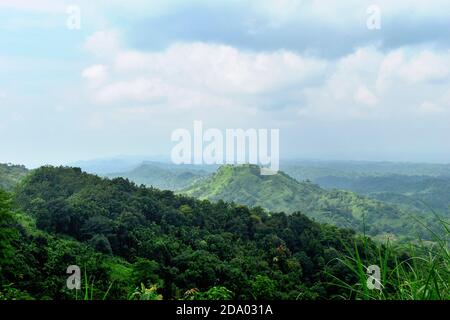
138 243
161 176
316 169
244 184
422 193
123 236
10 175
280 192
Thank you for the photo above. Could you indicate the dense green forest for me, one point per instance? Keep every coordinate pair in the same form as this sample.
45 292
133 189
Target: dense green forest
422 193
280 192
135 242
128 235
315 169
10 175
404 201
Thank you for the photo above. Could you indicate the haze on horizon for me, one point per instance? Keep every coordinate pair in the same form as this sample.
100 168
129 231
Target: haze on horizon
136 72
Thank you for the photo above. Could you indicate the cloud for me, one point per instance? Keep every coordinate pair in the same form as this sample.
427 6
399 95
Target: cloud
103 43
424 66
204 73
367 83
225 69
310 68
370 83
35 5
330 31
96 74
428 108
365 96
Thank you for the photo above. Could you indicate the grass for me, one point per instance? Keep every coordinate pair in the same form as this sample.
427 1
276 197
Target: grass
139 293
419 271
90 291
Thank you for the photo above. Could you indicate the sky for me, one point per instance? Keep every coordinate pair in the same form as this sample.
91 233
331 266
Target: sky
347 79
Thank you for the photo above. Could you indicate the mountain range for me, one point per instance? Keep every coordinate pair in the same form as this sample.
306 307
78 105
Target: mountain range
280 192
254 238
376 203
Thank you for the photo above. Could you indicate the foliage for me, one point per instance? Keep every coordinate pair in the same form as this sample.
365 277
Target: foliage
168 240
412 273
10 175
162 176
412 192
140 243
244 185
143 293
214 293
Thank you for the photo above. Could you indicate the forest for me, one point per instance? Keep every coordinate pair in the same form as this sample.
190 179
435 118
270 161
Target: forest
134 242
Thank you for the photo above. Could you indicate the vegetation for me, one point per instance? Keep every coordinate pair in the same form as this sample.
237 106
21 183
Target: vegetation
10 175
415 272
280 192
138 243
127 235
314 170
419 193
162 176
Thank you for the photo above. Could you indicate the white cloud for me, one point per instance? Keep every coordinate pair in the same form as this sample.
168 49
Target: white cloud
430 108
103 43
35 5
208 74
95 74
365 96
221 68
375 84
367 83
426 66
413 67
138 90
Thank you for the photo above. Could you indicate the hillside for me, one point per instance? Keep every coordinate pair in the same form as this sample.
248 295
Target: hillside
124 235
137 243
422 193
10 175
316 169
244 185
161 176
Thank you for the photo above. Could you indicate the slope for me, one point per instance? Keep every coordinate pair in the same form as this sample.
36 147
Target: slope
244 184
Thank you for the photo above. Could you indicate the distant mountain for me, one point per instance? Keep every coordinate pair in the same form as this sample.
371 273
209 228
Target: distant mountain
10 175
280 192
244 185
162 175
103 166
423 193
316 169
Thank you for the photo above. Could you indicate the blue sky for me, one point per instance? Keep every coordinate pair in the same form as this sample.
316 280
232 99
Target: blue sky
137 70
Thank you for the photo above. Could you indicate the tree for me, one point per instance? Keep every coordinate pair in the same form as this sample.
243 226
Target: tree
101 243
7 232
263 288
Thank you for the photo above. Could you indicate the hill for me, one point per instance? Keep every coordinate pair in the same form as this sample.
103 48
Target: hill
280 192
124 235
10 175
245 185
162 176
315 169
138 243
422 193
